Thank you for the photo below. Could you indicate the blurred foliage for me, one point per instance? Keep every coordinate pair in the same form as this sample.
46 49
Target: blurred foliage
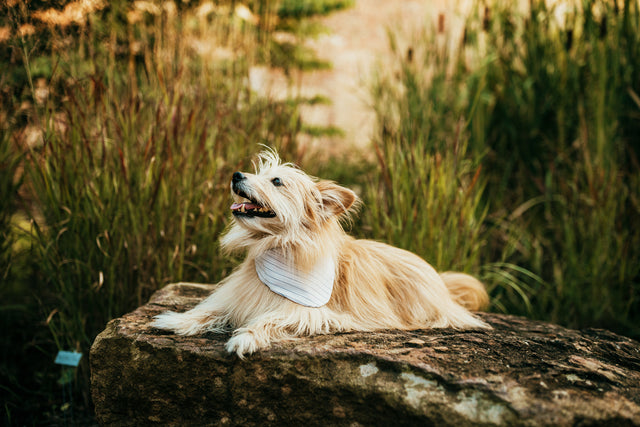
549 100
305 8
557 111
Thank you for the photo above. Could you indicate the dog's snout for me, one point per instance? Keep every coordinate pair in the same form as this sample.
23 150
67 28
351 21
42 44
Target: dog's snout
237 177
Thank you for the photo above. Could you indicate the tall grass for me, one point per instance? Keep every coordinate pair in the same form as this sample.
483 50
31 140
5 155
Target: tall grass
133 194
428 191
550 112
132 122
9 185
561 122
429 194
132 187
127 183
553 77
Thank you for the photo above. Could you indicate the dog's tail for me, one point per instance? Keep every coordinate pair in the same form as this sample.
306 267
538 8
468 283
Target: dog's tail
466 290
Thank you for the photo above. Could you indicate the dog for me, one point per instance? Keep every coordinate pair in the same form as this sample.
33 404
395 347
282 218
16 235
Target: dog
304 275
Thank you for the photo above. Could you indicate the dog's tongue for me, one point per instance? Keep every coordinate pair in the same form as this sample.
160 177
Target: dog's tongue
247 206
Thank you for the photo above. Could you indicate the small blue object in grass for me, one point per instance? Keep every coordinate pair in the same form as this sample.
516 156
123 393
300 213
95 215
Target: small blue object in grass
68 358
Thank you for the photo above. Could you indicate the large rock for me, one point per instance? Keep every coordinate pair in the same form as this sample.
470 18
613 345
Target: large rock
520 373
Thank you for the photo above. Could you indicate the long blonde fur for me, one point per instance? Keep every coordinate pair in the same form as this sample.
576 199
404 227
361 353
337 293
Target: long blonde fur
377 286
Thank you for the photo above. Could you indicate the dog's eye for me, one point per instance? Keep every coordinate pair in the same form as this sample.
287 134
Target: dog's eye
277 182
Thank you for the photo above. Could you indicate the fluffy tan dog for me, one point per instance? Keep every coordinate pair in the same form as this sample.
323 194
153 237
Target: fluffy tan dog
288 223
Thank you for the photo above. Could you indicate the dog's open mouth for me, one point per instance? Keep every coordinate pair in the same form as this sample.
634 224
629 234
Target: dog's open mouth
251 208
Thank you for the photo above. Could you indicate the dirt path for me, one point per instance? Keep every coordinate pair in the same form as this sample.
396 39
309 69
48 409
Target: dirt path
356 45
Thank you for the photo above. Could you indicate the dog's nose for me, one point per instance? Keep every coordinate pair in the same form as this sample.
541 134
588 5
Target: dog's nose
237 177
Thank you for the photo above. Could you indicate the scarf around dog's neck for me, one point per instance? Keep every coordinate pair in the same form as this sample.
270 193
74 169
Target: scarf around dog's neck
312 289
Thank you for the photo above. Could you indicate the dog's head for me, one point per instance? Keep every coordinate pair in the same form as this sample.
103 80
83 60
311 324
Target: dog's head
281 203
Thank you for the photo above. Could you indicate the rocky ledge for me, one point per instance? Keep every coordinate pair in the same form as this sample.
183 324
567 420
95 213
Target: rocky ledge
522 372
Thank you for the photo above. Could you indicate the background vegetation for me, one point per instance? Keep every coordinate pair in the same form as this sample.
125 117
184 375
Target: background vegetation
511 153
514 152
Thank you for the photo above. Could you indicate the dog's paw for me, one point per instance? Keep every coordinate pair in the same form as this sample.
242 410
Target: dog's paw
164 320
243 343
180 323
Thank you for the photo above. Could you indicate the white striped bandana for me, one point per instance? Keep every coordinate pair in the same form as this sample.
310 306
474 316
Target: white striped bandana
312 289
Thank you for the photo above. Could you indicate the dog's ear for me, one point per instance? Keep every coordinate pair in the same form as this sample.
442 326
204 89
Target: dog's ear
336 200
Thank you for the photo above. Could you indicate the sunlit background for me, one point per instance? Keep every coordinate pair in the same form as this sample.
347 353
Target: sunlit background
498 139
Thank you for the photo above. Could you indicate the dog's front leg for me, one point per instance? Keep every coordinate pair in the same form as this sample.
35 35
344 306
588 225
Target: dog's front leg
206 316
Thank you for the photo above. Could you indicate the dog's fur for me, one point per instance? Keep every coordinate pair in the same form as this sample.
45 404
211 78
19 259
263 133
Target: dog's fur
377 286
